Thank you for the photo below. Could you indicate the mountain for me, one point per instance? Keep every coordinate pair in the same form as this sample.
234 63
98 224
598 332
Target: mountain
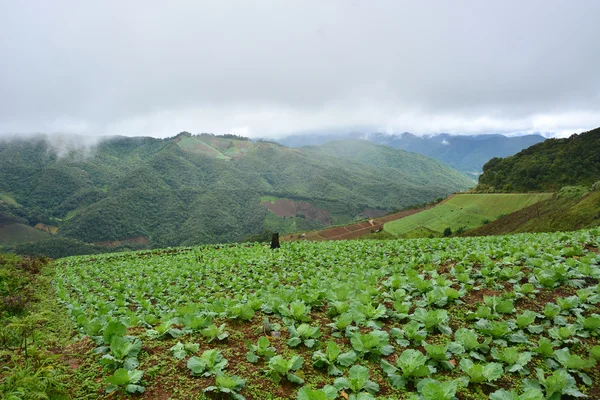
547 166
193 189
462 152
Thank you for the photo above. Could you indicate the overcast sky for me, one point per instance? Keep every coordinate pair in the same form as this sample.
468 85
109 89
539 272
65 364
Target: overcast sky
270 68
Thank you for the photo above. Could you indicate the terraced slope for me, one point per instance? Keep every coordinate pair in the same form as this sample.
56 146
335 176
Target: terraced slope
557 214
352 231
465 211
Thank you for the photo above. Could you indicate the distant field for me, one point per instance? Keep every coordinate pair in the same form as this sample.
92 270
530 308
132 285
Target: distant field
7 198
269 199
215 147
195 145
15 233
465 210
561 214
351 231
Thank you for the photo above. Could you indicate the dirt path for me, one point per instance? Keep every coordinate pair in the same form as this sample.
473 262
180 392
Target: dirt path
352 231
358 229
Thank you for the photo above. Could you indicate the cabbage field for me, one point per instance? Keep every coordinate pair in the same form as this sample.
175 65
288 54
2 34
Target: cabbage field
506 318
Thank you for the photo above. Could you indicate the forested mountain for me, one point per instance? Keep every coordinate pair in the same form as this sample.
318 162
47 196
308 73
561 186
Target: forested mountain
194 189
466 153
547 166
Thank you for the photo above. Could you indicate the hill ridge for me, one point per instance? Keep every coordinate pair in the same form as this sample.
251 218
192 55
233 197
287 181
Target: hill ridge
173 192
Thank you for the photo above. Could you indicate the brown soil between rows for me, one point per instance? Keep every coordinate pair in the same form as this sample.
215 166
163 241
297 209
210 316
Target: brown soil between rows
290 208
352 231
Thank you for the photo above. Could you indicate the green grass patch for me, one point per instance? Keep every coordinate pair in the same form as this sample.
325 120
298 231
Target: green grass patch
421 232
35 330
71 214
573 191
8 199
269 199
195 145
557 214
466 211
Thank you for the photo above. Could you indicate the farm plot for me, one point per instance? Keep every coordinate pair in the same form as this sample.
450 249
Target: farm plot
465 211
352 231
511 317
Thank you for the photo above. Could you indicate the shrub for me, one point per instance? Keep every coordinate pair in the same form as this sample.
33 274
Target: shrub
447 232
572 192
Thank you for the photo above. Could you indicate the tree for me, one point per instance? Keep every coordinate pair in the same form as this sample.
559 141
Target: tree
447 232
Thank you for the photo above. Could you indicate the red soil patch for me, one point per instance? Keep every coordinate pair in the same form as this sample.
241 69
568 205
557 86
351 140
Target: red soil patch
332 232
75 353
545 296
359 233
289 208
283 208
364 228
357 227
352 231
136 240
400 214
373 213
46 228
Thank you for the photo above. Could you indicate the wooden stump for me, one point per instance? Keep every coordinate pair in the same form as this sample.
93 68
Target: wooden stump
275 241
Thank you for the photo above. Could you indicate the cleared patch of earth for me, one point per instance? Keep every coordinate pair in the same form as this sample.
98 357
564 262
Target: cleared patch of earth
47 228
352 231
136 240
373 213
290 208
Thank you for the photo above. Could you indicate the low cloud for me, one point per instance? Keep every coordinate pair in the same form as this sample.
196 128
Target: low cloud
62 145
271 68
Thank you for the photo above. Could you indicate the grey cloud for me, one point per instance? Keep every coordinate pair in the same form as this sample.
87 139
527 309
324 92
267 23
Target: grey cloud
62 144
268 68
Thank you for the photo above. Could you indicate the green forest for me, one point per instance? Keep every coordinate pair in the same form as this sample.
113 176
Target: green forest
546 166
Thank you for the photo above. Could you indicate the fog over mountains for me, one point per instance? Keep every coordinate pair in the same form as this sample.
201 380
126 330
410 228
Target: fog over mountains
466 153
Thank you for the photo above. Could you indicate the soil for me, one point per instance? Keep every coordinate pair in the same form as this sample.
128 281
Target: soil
290 208
373 213
353 231
136 240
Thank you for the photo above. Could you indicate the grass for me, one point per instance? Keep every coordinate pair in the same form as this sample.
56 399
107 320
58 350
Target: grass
196 145
269 199
7 198
420 232
35 332
15 233
558 214
464 210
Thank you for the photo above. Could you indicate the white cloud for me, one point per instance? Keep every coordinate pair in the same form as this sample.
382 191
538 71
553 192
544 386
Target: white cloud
267 68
